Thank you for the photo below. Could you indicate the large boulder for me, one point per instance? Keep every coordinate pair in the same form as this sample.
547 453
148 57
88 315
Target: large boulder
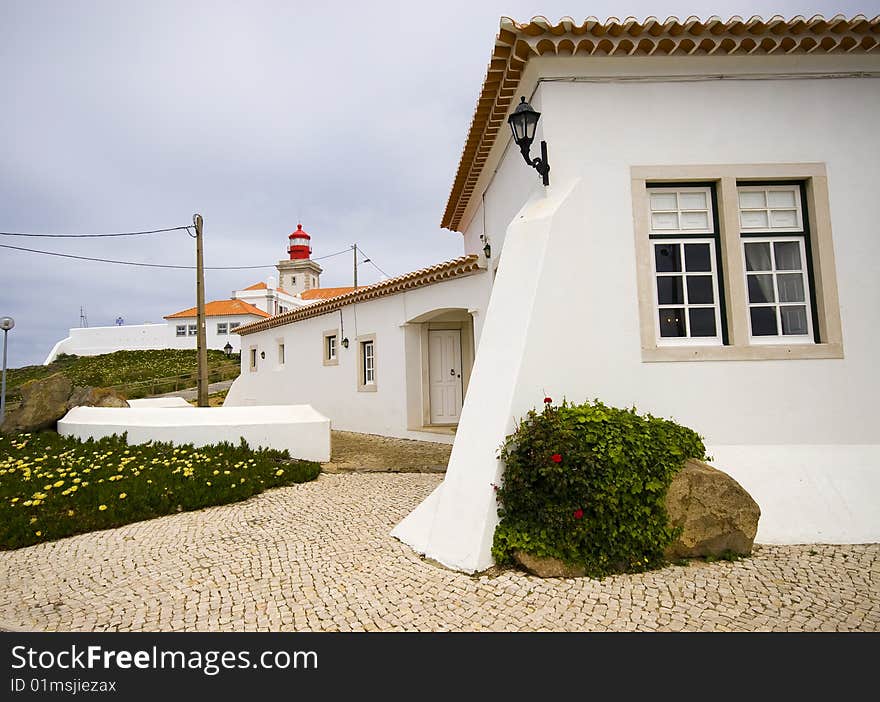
46 400
547 566
716 515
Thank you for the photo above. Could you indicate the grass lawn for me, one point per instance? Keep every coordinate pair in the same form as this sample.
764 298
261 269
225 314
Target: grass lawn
126 368
53 486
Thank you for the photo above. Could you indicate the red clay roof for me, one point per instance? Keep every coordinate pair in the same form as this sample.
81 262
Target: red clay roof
222 308
324 293
262 286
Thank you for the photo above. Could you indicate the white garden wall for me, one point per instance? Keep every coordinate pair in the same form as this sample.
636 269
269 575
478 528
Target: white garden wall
94 341
297 428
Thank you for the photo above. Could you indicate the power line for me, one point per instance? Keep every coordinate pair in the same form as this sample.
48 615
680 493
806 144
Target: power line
149 265
95 236
370 260
321 258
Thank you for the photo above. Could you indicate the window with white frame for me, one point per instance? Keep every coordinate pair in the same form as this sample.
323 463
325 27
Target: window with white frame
234 325
776 255
192 329
253 358
180 330
330 350
684 246
222 327
368 360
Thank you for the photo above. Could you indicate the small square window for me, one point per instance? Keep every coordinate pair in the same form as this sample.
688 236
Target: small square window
193 330
181 330
234 325
222 328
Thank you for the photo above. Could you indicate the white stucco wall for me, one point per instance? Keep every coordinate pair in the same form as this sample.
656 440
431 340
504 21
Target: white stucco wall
563 317
93 341
333 389
297 428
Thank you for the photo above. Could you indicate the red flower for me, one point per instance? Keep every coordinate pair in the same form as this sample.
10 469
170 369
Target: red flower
548 400
556 458
579 514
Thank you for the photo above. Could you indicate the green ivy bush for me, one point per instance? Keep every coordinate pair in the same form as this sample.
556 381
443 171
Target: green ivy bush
587 483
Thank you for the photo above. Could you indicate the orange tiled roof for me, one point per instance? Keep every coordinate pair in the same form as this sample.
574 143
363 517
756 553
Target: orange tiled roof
517 43
464 265
221 308
324 293
262 286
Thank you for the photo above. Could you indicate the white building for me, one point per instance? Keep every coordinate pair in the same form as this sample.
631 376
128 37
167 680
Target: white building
706 250
222 317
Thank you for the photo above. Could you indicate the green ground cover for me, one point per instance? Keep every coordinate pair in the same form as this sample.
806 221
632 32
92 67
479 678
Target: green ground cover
53 486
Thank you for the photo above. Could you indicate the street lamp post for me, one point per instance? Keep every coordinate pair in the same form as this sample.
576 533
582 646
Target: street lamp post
6 323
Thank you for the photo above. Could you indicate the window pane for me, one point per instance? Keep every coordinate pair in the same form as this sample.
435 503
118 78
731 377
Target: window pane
664 220
788 255
702 321
761 288
694 220
781 198
663 201
668 258
783 218
763 321
700 290
791 287
669 290
696 257
672 322
794 319
754 220
753 198
692 201
758 257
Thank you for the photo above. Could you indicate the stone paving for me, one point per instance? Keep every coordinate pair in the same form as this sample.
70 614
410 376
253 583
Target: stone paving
318 556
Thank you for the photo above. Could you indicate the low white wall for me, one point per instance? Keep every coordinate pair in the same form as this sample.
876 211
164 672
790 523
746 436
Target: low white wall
166 402
298 428
94 341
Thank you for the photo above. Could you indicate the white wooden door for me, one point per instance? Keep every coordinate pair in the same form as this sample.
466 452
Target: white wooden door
445 373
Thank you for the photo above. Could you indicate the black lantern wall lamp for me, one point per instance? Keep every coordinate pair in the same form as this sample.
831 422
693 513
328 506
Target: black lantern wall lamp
523 122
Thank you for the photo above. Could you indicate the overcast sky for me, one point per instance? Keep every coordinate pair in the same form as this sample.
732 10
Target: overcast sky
348 116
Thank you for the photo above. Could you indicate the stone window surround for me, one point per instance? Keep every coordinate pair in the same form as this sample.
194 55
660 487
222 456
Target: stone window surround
361 386
725 178
253 357
329 361
282 352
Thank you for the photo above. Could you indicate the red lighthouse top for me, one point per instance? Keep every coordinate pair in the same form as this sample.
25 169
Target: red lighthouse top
300 244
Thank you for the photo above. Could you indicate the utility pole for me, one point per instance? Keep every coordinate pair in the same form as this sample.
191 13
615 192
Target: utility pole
201 341
6 323
354 248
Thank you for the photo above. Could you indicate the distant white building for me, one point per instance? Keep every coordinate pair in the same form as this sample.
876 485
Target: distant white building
706 250
222 317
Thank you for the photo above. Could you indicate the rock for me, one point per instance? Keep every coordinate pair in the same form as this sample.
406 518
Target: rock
547 567
96 397
715 512
46 400
43 402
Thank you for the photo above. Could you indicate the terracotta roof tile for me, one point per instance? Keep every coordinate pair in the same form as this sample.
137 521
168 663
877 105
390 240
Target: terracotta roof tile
221 308
324 293
516 43
464 265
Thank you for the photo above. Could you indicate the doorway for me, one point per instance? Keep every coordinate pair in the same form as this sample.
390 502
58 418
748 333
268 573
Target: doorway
445 368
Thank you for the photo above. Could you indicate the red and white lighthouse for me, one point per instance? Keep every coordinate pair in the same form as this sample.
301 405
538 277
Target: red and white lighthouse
300 247
299 272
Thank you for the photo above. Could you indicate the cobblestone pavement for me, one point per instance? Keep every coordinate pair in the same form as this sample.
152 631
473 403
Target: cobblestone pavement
318 556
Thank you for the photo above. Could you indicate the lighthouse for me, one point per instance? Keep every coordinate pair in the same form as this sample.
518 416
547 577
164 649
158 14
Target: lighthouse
299 272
